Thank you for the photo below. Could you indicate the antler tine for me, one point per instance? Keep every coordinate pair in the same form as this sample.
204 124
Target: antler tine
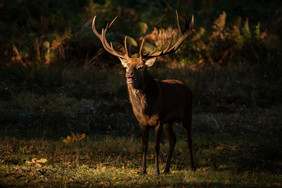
148 54
165 51
94 29
108 47
190 27
178 24
182 35
141 46
125 46
105 31
112 21
192 22
169 44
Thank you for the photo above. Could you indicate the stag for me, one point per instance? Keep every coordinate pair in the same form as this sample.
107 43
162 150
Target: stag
156 104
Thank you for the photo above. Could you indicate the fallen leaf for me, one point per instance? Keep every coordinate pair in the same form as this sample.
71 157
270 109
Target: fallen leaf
28 162
82 136
42 160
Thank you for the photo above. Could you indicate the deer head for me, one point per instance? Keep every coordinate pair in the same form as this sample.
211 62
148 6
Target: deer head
136 68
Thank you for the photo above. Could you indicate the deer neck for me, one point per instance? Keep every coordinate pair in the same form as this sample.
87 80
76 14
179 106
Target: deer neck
142 95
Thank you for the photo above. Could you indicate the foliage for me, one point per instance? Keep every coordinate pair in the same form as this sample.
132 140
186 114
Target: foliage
74 138
231 44
61 31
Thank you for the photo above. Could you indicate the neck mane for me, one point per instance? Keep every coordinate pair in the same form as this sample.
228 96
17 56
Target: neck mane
146 87
141 96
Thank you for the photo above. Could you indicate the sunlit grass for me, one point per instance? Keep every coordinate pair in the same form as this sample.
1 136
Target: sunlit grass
110 175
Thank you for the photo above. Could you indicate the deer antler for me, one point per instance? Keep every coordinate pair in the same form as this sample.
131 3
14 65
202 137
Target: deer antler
182 35
109 47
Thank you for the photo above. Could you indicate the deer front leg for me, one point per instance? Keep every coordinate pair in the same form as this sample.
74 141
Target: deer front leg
145 135
158 135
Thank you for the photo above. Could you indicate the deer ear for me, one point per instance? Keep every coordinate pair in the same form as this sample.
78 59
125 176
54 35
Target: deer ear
150 62
123 62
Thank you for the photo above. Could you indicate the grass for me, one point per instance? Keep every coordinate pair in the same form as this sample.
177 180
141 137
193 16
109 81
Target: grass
109 176
234 149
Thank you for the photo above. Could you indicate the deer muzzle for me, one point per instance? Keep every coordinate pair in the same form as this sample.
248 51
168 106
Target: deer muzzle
130 78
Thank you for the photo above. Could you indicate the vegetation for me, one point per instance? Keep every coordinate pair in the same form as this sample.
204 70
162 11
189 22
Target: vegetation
65 117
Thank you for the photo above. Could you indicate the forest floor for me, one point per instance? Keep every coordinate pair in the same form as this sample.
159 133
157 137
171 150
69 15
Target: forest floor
230 149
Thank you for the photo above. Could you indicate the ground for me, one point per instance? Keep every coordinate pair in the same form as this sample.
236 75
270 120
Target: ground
231 149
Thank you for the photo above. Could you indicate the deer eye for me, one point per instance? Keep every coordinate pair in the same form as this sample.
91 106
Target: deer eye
139 68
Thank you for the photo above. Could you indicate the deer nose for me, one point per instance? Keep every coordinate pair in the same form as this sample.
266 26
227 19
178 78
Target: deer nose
129 74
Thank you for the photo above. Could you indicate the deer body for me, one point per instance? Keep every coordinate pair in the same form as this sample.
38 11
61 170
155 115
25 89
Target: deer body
156 104
150 104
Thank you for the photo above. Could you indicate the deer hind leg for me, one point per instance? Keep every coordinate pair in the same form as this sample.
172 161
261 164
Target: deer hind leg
172 141
187 130
158 135
145 135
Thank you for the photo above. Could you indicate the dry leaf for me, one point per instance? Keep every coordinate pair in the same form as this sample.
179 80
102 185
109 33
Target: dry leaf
82 136
28 162
42 160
